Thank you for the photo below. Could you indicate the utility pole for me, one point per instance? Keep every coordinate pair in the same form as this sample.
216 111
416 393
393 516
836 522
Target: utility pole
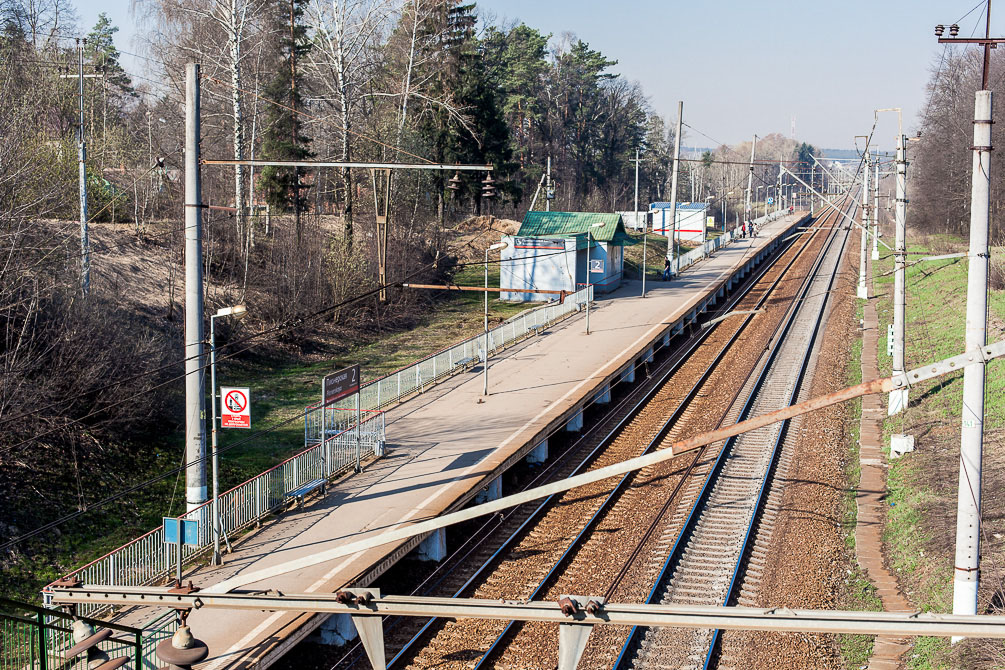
863 292
813 181
644 226
195 375
875 214
778 186
898 397
673 187
750 179
85 244
968 514
548 194
968 511
293 118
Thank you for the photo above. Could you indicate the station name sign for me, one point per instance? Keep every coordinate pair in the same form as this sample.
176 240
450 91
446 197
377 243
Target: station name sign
339 384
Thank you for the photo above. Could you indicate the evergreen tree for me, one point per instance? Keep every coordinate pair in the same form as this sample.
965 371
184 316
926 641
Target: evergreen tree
101 51
283 137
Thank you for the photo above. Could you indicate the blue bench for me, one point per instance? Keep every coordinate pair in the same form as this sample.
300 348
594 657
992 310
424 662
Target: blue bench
300 493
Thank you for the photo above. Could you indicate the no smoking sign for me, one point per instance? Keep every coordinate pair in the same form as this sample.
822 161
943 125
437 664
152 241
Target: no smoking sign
235 407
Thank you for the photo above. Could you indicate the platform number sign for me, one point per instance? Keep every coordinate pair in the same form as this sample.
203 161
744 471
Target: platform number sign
597 266
771 201
235 407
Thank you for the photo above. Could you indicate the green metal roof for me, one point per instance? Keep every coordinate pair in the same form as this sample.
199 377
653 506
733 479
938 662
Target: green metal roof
568 224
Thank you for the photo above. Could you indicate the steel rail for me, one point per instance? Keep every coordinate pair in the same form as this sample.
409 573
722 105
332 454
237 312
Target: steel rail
691 521
779 440
671 366
660 436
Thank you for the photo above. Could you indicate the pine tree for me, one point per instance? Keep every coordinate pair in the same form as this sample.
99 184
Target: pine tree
283 138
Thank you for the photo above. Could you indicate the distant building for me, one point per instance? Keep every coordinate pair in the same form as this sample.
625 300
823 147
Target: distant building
635 220
549 252
690 220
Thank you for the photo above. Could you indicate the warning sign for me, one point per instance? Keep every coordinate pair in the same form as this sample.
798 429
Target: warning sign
235 408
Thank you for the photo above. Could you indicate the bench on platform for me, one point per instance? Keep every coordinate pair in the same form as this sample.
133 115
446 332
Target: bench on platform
465 362
298 494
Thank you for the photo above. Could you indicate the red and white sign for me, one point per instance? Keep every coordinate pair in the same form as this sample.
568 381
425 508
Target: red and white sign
235 408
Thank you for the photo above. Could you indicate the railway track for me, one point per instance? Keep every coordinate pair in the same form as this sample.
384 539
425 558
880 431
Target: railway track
707 561
536 548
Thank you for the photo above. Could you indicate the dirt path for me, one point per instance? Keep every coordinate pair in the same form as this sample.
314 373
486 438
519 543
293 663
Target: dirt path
871 498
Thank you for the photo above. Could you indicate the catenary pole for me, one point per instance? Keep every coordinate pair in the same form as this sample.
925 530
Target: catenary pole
875 213
862 292
195 376
547 188
644 227
813 180
899 398
968 514
673 186
85 244
750 179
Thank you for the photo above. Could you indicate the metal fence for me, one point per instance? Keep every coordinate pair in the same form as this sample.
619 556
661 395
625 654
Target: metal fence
33 638
698 253
147 559
416 377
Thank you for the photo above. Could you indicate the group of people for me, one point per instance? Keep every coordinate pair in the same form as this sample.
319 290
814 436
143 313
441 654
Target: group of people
747 228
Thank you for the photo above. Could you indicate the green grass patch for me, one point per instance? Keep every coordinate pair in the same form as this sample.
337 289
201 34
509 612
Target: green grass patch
280 389
920 486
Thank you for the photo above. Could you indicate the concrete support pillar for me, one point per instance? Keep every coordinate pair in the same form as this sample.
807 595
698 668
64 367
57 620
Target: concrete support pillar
494 489
666 339
603 396
538 454
576 422
628 374
434 547
336 631
647 357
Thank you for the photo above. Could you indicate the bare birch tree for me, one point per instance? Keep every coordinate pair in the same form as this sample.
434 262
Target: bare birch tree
348 32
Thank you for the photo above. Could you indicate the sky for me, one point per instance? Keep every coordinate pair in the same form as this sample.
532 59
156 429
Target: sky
741 67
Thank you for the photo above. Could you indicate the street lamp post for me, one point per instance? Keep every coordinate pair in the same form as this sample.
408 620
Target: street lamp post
485 363
588 282
238 312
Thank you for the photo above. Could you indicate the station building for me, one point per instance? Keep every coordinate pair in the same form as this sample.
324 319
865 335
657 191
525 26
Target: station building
549 253
690 220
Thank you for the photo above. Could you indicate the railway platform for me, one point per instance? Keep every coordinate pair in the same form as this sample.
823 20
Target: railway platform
451 444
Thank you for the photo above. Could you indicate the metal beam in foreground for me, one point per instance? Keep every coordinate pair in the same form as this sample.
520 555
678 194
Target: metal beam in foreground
370 602
344 164
883 385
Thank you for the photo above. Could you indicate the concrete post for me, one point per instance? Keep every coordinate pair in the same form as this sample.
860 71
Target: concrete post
644 226
85 245
899 397
195 373
673 187
875 214
863 292
968 515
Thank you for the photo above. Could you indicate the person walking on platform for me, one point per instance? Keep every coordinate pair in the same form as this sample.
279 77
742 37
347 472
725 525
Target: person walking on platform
666 269
743 229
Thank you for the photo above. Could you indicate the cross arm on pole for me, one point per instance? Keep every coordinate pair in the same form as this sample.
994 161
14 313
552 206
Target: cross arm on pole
344 164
